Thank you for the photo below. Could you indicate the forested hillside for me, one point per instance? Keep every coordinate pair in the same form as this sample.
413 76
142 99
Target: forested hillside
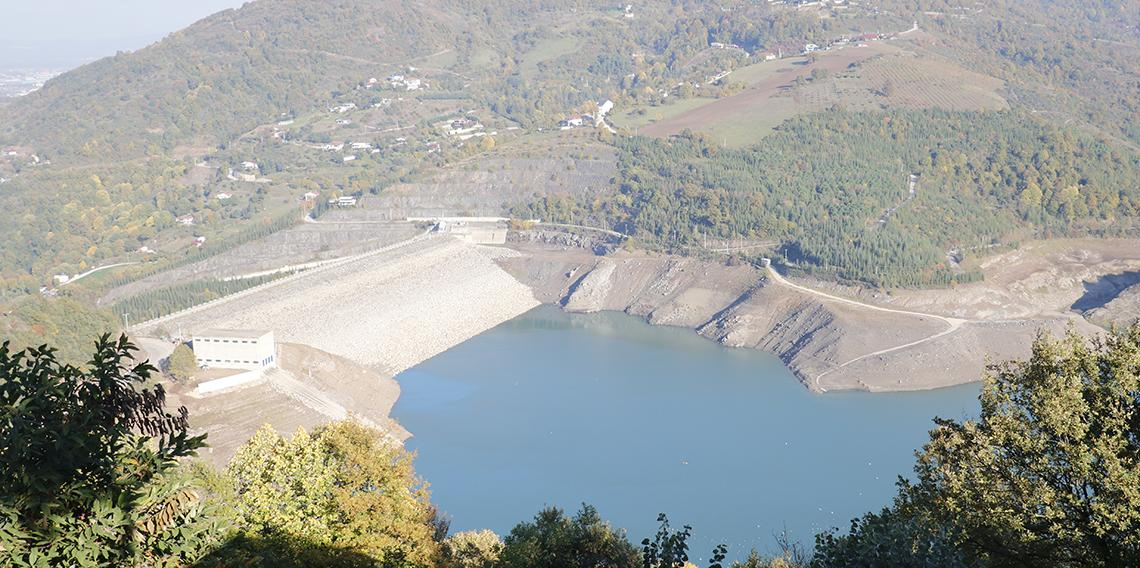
218 131
1071 60
835 189
224 75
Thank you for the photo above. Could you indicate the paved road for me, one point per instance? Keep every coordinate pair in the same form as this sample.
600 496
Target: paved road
94 270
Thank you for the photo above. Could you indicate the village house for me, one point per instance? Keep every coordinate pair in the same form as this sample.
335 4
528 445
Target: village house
464 128
349 158
571 122
146 250
603 110
248 166
341 109
345 201
343 122
311 195
199 241
185 220
224 196
361 146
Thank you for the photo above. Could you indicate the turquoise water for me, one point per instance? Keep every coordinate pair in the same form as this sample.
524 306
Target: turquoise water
560 409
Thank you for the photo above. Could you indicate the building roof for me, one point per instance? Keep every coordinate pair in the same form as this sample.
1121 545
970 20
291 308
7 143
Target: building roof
238 333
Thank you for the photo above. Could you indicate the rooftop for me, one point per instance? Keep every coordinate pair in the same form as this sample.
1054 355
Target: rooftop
238 333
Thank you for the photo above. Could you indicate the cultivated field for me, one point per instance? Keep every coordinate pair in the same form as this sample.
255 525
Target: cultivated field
489 185
874 76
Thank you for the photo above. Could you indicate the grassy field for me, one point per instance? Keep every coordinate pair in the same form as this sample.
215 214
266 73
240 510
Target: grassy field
876 76
644 115
548 50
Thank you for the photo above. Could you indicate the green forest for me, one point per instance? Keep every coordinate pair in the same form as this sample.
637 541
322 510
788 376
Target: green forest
117 142
823 185
157 303
96 471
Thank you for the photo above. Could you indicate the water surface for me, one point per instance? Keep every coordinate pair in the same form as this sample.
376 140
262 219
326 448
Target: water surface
560 409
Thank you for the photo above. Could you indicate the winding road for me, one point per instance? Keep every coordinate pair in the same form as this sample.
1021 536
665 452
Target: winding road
952 324
94 270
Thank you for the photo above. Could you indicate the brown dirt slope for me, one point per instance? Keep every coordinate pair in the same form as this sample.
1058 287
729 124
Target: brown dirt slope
927 339
230 418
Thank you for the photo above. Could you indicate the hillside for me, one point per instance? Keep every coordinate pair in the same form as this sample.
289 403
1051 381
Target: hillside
226 74
969 129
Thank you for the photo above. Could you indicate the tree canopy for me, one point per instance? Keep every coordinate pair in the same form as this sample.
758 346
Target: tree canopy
345 486
1049 474
85 455
554 540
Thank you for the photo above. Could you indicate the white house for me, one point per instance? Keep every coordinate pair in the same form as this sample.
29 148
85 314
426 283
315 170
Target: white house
249 166
603 110
224 196
349 158
413 84
571 122
235 349
361 146
186 220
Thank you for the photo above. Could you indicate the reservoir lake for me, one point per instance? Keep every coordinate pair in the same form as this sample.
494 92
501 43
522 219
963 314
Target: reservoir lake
559 409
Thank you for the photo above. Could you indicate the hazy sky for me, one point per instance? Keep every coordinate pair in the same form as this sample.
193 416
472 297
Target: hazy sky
38 30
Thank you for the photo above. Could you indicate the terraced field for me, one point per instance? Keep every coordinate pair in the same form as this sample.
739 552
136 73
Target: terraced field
873 76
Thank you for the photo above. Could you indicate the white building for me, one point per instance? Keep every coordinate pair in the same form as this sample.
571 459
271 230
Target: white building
235 349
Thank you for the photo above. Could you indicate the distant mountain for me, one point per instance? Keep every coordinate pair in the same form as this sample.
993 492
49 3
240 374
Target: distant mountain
224 75
230 72
217 130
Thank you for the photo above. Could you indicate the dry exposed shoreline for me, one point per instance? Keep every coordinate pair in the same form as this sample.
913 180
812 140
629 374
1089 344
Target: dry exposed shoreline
348 330
395 310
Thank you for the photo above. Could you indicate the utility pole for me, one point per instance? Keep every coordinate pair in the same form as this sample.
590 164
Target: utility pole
126 320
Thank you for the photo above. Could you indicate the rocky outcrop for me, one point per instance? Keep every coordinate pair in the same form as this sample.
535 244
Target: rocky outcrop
1121 311
829 344
589 293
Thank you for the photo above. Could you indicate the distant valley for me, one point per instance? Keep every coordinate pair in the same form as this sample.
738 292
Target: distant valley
922 162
